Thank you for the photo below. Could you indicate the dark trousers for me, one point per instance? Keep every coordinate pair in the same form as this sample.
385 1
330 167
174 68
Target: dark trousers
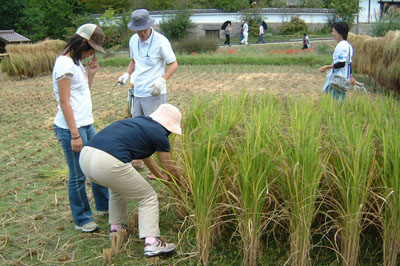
228 40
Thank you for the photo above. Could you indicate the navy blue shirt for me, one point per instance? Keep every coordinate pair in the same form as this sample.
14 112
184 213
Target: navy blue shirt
132 138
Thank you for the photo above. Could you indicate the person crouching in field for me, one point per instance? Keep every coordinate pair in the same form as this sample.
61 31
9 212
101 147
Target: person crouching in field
106 160
73 124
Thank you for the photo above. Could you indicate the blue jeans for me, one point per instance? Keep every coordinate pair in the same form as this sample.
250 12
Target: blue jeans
328 90
78 200
335 94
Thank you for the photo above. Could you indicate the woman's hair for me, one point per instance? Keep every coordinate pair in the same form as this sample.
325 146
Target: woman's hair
341 28
75 46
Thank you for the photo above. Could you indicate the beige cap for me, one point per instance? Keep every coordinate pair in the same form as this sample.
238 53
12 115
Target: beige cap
93 34
169 117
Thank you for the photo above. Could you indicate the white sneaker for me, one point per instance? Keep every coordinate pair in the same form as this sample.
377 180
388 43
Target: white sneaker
88 228
158 248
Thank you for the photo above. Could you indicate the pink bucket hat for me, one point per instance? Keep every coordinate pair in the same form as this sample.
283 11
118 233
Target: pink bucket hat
169 117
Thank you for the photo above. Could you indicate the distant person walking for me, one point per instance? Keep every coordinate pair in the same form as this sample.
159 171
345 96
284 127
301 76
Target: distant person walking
306 41
150 51
106 161
241 31
245 33
73 124
342 59
227 32
261 34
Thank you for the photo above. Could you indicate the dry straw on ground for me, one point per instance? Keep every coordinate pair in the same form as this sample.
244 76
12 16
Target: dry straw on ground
30 60
378 57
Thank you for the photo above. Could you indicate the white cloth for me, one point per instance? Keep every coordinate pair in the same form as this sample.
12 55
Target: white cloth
150 58
245 28
261 29
80 98
341 54
308 42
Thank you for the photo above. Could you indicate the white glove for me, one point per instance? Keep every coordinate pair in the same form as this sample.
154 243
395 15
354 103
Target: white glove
157 86
124 78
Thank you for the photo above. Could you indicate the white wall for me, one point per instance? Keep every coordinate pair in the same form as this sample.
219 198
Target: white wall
276 17
374 11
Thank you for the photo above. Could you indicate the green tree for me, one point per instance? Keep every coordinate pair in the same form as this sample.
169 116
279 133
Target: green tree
176 27
10 13
231 5
46 18
99 6
31 23
346 9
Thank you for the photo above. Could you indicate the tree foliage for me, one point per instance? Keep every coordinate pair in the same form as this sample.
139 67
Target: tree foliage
345 9
176 28
39 19
99 6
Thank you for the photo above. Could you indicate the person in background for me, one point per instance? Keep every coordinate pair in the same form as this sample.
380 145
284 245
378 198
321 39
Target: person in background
73 124
241 31
106 161
149 52
342 58
261 34
245 33
306 41
227 32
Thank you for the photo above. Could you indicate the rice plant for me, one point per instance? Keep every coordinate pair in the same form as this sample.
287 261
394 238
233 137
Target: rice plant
388 131
352 167
252 159
30 60
302 170
203 161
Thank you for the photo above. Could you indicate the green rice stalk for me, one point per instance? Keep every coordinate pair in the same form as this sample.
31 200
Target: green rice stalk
352 169
203 160
388 131
302 171
252 163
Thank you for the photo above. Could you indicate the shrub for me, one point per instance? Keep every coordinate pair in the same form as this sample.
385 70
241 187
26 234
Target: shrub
191 44
386 22
296 25
176 27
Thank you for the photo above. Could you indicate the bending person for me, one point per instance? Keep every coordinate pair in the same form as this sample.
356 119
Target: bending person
106 161
73 124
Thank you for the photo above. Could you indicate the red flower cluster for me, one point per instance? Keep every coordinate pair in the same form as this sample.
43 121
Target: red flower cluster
231 51
292 51
194 53
276 52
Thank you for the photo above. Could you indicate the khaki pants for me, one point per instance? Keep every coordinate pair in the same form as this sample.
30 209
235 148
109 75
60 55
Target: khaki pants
124 183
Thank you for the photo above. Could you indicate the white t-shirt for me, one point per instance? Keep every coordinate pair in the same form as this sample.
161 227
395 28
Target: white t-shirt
150 58
261 29
80 98
342 51
245 27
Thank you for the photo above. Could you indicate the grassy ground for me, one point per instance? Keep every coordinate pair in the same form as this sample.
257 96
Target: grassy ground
35 220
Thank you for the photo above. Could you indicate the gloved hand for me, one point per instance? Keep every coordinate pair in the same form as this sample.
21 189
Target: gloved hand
157 86
124 78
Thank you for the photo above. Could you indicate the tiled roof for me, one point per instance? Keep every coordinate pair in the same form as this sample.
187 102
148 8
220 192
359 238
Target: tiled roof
11 36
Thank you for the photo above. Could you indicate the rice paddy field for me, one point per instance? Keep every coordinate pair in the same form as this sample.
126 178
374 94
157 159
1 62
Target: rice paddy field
274 172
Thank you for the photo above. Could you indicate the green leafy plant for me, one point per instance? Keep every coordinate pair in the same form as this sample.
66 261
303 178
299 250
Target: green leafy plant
296 25
387 21
176 27
191 44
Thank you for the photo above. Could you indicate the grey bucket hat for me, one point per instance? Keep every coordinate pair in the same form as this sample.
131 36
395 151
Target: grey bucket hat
140 20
